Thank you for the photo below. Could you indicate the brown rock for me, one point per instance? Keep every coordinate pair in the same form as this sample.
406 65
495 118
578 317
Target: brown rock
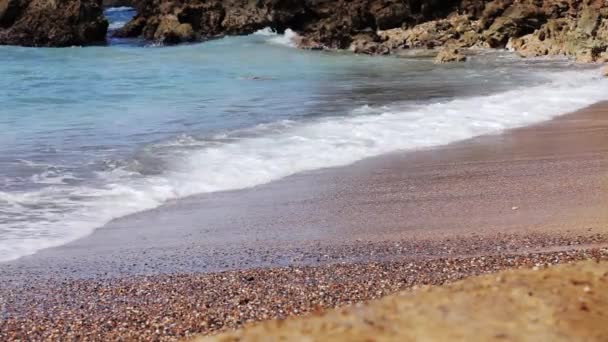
307 43
493 10
574 28
583 38
171 31
368 44
516 21
457 30
52 23
588 21
331 24
605 71
449 55
549 40
9 10
390 16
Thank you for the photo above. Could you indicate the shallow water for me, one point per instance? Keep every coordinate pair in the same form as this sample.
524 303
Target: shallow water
91 134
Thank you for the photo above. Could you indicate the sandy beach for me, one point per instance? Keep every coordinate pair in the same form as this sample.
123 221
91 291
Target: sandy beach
559 303
529 197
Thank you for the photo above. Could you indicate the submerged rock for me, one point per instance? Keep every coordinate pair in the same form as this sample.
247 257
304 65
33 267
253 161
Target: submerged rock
605 71
52 23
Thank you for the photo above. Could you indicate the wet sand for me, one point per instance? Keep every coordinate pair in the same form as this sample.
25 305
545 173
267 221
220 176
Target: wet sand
532 195
549 178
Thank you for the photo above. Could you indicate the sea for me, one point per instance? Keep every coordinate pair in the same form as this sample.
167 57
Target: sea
91 134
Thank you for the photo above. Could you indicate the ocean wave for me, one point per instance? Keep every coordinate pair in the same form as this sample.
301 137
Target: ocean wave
58 213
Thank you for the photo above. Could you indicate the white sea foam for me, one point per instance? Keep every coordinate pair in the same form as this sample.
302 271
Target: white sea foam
116 25
288 38
57 214
52 177
267 31
119 9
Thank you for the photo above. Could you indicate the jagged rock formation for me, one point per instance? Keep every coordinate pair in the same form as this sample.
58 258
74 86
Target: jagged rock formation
52 22
582 34
334 24
573 28
577 28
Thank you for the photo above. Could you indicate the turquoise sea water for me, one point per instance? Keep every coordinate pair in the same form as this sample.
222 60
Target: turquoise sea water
91 134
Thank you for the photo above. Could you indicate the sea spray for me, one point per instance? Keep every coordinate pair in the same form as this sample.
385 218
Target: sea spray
288 38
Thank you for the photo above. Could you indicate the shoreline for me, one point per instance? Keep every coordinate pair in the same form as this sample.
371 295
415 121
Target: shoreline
552 173
528 197
372 135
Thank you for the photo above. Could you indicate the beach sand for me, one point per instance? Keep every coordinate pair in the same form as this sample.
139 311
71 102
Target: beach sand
535 195
562 303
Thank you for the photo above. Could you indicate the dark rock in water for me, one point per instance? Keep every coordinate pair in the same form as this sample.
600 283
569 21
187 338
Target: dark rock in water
56 23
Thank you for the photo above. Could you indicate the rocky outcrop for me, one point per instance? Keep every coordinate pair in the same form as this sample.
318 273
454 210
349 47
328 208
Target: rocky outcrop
581 33
577 28
456 30
334 24
516 20
57 23
574 28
